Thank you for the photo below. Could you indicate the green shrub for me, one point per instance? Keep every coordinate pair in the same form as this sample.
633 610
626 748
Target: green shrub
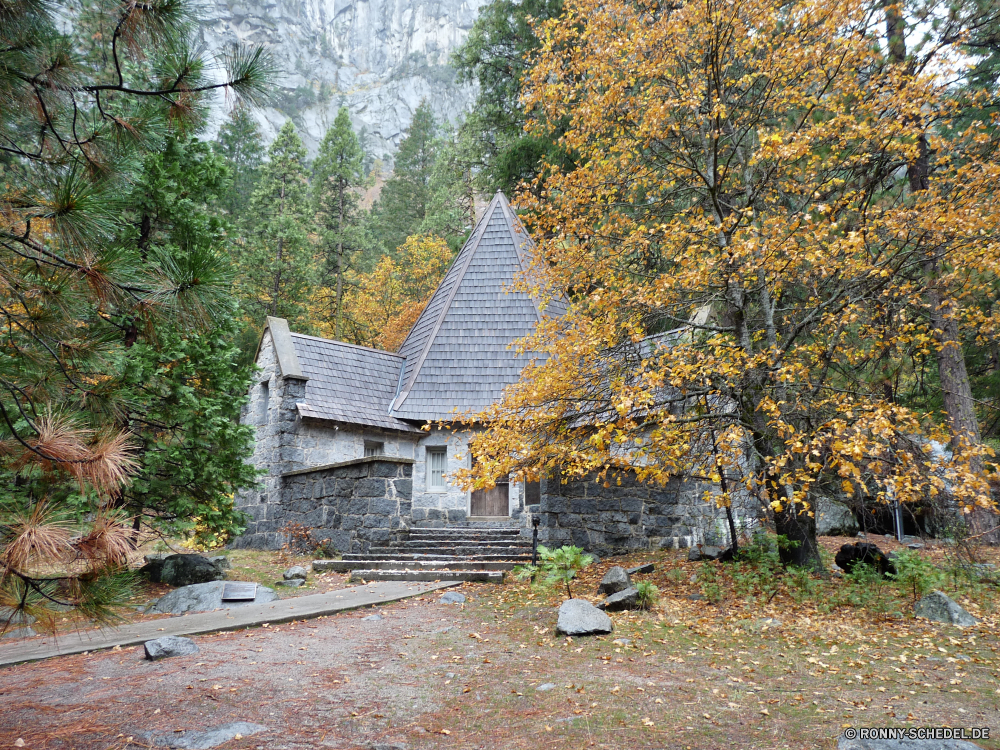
559 566
648 595
914 575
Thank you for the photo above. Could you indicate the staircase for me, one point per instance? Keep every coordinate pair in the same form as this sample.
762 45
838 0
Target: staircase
467 553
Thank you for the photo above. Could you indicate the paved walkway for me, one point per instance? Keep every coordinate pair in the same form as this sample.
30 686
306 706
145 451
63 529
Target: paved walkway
284 610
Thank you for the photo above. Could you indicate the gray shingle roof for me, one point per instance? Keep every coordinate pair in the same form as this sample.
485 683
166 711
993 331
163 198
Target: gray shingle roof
457 356
348 383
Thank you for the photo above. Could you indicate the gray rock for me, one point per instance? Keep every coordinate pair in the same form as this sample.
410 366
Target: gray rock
15 618
202 597
291 583
580 617
696 597
194 740
834 518
915 545
19 633
450 675
388 746
546 687
169 645
627 599
705 552
296 571
372 618
867 744
185 570
939 607
615 580
647 568
153 567
694 554
453 597
221 562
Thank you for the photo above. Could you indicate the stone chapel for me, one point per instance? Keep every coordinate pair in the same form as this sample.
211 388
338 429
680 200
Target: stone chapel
347 435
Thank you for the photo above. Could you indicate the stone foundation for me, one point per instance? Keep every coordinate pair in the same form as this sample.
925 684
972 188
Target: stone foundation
352 504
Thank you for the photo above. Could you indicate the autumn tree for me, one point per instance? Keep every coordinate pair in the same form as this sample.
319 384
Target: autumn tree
337 178
278 264
80 284
383 305
745 255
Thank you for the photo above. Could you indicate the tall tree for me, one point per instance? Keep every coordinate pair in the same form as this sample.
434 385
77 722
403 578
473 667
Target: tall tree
79 111
734 232
406 196
496 55
338 176
239 143
278 265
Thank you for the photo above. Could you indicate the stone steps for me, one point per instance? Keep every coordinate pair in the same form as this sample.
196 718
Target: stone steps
343 566
487 576
467 553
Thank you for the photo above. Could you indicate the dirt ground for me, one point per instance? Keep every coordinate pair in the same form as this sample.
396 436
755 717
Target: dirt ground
688 674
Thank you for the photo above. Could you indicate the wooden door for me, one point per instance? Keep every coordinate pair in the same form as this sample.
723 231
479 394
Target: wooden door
491 502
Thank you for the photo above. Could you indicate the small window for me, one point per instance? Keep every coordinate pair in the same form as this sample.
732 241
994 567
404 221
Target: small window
437 465
265 397
374 449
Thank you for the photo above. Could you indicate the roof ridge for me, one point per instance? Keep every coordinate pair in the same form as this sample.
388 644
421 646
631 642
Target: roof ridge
338 342
469 250
520 239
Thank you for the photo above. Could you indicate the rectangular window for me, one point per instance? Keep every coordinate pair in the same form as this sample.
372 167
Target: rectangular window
374 449
265 397
437 465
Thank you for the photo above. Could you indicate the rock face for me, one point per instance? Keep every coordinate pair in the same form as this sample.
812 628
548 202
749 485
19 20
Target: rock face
941 608
622 600
202 597
580 617
863 552
615 580
834 519
185 570
380 58
169 645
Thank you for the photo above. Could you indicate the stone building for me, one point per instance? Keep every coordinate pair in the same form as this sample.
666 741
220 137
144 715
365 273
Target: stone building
349 438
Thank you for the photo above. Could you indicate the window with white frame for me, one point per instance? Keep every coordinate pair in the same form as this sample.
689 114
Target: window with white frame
373 448
437 465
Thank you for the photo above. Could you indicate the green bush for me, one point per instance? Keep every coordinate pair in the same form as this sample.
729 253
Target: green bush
559 566
648 595
914 575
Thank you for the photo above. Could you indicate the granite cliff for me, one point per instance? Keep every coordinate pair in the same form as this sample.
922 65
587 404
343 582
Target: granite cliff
380 58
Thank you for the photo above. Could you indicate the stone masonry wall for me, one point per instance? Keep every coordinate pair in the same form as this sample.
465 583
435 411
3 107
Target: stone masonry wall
353 504
626 516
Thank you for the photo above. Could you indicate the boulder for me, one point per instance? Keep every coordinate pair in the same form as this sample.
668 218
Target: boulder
15 618
221 562
939 607
291 583
843 743
19 633
615 580
647 568
580 617
863 552
153 567
834 518
169 645
296 571
202 597
705 552
204 740
372 618
627 599
185 570
453 597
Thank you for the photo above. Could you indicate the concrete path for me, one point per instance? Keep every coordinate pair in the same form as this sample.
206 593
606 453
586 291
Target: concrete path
284 610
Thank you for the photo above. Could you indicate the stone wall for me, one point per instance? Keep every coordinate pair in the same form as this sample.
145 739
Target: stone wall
353 504
626 515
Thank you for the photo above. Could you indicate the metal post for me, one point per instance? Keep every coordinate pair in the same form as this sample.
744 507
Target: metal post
534 540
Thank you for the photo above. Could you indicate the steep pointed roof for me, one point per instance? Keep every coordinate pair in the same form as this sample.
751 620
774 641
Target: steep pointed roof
457 356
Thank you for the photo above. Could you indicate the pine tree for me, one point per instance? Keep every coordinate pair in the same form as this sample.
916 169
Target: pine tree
239 143
337 176
406 197
278 269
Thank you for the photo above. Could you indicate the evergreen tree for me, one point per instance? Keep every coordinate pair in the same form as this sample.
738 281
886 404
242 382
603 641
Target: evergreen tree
277 263
406 196
337 176
86 94
495 56
239 142
451 209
